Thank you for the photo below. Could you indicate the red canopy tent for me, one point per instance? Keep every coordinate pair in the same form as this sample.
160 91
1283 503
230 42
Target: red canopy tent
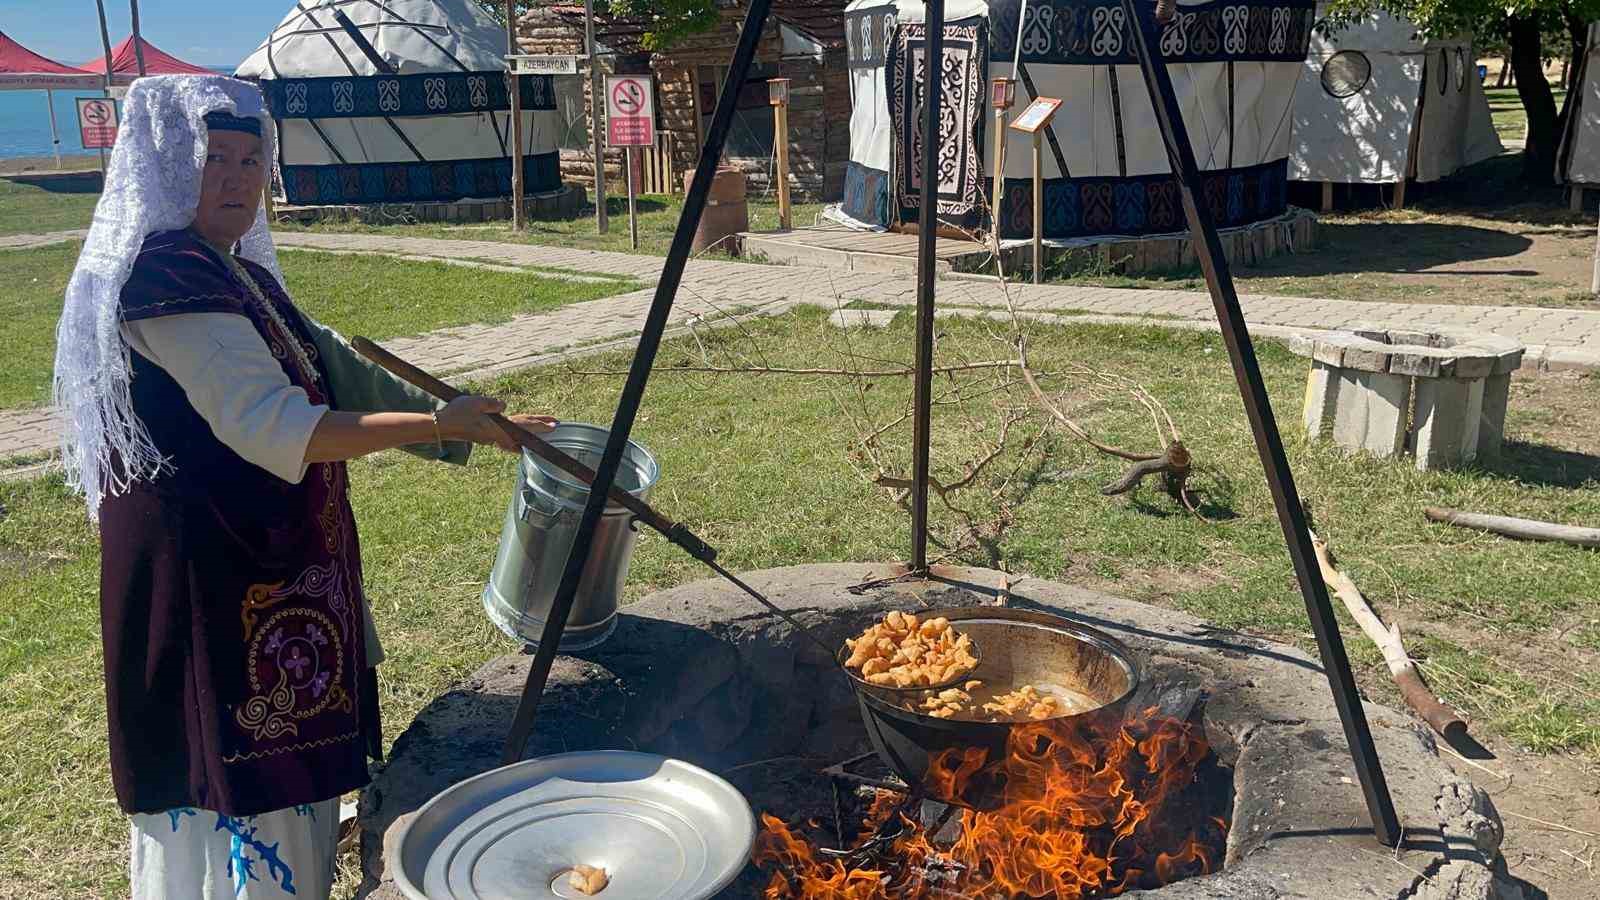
125 63
22 69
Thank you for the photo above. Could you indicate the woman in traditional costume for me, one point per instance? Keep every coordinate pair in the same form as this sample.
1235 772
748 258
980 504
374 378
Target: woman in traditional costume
206 421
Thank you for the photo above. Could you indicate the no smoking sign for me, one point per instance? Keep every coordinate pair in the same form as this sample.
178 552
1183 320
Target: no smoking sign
630 111
97 123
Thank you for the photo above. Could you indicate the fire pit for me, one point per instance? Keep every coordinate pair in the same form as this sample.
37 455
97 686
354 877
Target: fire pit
1229 776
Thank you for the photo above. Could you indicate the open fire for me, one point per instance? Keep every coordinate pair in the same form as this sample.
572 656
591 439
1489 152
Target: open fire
1083 811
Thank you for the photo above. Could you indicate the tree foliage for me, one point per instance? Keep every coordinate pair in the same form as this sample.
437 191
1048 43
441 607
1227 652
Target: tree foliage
666 21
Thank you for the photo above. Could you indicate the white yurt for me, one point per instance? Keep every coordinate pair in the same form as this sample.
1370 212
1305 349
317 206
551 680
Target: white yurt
400 101
1378 102
1234 65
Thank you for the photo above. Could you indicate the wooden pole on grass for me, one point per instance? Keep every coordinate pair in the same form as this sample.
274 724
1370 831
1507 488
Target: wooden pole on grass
517 212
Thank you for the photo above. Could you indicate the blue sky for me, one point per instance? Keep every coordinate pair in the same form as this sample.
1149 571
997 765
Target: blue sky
204 32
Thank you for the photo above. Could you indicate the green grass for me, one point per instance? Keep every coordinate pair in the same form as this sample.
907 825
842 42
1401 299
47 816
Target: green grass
1509 116
770 483
369 295
658 218
31 209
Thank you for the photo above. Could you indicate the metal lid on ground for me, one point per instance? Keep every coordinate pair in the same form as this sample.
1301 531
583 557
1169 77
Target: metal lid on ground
659 827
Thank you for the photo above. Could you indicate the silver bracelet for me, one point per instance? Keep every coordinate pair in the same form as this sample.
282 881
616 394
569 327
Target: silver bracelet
438 438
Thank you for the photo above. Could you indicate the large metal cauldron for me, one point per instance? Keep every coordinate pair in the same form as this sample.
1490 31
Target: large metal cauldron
540 526
1019 647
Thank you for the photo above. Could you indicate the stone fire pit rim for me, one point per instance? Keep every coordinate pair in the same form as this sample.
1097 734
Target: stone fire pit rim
1423 350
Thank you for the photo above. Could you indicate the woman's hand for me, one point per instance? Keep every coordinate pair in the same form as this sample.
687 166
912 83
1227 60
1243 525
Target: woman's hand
467 419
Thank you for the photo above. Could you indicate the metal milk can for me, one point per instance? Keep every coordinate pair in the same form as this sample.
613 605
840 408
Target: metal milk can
541 523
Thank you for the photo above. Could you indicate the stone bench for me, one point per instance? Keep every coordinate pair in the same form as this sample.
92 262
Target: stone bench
1436 393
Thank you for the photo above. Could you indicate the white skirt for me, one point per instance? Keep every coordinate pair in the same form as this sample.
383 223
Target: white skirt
209 856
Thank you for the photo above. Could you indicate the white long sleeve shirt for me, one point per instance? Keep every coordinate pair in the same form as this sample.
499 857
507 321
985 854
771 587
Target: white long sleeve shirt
235 383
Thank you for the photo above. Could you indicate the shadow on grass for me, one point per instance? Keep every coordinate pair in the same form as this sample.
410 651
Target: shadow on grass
60 182
1409 248
617 204
1540 464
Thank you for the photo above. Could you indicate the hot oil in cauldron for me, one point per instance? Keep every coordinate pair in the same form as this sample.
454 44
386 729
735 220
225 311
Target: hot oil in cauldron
976 695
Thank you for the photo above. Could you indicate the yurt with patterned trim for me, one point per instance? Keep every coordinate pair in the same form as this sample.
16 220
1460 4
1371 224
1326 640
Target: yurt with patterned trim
1234 65
400 101
1379 102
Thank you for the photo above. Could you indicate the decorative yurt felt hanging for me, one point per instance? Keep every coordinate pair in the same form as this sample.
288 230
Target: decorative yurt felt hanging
1234 66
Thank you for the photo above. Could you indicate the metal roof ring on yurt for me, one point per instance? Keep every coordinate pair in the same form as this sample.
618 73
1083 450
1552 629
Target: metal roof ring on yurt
1346 73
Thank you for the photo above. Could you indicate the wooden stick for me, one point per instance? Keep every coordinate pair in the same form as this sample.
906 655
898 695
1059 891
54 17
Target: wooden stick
1522 529
1413 689
530 442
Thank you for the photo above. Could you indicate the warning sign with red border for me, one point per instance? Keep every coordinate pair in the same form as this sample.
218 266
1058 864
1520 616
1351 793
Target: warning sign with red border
97 122
630 111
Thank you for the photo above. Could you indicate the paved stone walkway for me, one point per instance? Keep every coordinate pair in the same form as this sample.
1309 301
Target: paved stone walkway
1557 338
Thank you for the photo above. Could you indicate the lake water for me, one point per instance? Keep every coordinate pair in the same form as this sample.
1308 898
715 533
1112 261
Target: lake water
25 122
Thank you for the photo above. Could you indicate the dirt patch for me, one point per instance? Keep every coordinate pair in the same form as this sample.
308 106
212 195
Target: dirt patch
1551 809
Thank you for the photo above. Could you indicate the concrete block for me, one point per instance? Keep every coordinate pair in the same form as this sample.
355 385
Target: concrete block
1301 344
1322 397
861 318
1367 359
1329 350
1370 411
1473 366
1417 361
1492 424
1561 359
1448 414
1507 362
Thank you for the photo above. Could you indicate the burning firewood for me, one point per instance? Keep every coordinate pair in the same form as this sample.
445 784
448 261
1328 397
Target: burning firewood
1122 808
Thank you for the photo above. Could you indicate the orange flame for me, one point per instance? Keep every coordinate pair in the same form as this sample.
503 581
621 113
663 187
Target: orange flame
1083 814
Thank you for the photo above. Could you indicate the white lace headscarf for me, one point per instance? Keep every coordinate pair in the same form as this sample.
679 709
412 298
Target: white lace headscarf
152 184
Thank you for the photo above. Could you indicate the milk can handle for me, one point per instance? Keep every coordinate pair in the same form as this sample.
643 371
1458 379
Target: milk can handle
528 501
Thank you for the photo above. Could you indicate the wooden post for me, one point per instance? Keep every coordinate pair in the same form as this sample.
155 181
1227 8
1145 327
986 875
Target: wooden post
105 42
782 120
138 42
515 84
778 96
1002 93
633 215
999 172
596 104
1038 208
1594 279
1575 197
1400 194
1327 196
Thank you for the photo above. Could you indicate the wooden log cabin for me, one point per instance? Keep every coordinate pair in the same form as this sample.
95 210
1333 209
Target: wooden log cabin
803 42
